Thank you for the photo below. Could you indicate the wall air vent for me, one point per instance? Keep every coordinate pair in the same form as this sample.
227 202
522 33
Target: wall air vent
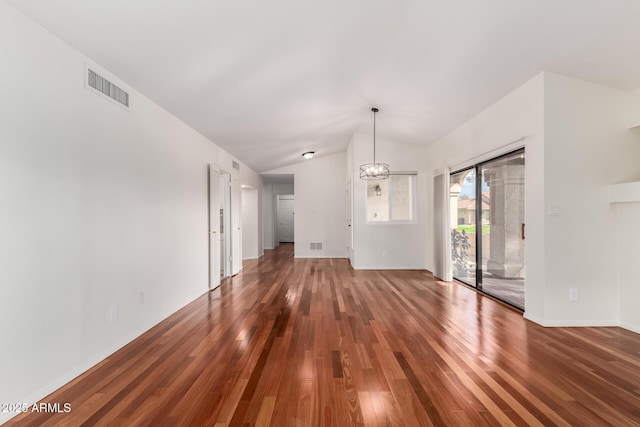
315 246
235 165
105 87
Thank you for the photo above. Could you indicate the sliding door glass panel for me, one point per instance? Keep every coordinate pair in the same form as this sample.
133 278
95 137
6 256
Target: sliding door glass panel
502 220
463 225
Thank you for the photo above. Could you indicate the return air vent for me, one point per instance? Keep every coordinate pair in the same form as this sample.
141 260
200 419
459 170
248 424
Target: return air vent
235 165
105 87
315 246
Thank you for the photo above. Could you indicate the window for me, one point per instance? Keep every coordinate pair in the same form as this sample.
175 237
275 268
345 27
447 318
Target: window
391 200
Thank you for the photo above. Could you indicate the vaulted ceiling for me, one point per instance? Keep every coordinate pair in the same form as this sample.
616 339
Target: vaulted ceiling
268 80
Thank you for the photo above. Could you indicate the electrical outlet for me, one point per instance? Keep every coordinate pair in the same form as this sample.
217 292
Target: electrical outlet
384 254
573 294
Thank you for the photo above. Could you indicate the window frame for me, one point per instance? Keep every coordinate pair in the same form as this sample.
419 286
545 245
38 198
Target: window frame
414 204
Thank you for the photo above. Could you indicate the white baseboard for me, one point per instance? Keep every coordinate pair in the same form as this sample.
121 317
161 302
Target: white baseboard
570 323
534 319
630 327
70 375
320 256
389 267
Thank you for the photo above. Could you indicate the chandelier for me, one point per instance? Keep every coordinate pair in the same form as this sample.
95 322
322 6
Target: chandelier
371 171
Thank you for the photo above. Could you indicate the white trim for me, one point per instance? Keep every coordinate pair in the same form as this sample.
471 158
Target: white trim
534 319
630 327
70 375
514 145
385 267
403 173
626 192
448 268
571 323
321 257
414 202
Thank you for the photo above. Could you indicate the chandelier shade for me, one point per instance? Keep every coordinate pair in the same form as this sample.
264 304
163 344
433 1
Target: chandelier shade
375 170
371 171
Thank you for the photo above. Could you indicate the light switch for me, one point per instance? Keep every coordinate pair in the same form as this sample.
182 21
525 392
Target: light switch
553 210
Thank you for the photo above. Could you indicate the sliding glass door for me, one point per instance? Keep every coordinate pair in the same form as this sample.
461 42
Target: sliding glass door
462 201
487 236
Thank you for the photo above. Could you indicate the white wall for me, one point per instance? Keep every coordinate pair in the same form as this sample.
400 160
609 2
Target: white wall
628 239
403 243
267 222
98 204
634 110
248 178
236 225
250 216
576 145
493 132
587 147
282 189
349 234
320 205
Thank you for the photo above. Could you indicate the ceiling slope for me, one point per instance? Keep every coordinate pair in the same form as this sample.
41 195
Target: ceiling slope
269 80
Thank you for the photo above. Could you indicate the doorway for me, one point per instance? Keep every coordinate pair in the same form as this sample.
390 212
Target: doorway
285 218
225 224
214 227
250 244
487 227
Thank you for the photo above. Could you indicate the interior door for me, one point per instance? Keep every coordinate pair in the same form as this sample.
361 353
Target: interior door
286 219
236 223
225 224
349 213
214 227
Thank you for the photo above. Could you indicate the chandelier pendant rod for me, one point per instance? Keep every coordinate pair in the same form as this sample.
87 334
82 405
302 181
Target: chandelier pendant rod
375 110
374 136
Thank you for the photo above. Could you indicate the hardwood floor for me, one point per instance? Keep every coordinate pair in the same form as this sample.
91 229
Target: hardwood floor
310 342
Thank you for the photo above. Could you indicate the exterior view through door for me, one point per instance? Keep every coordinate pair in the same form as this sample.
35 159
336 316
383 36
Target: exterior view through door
487 227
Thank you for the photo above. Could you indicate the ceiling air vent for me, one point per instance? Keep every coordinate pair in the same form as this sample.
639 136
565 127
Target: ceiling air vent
106 88
235 165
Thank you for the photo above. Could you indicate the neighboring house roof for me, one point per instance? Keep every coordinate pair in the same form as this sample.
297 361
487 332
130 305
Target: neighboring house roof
470 204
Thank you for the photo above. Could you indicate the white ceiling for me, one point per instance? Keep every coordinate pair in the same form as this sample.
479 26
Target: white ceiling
268 80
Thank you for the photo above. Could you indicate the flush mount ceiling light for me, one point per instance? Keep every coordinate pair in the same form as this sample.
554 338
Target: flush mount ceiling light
308 155
371 171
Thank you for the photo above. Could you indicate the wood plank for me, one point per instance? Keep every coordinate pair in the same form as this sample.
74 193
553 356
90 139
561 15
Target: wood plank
312 342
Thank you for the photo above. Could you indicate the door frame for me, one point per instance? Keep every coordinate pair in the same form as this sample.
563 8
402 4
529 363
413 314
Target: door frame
226 245
213 195
476 167
277 212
